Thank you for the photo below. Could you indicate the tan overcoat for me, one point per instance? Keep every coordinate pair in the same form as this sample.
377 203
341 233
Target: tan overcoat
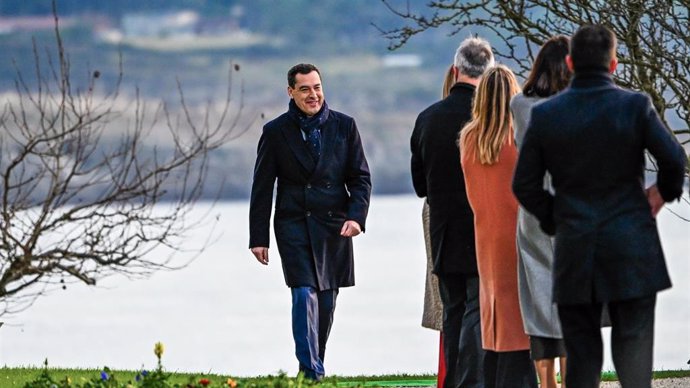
495 219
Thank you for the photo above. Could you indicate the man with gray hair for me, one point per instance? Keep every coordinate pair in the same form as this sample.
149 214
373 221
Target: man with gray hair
436 175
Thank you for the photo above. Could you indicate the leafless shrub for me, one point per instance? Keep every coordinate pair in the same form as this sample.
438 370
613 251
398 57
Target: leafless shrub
91 182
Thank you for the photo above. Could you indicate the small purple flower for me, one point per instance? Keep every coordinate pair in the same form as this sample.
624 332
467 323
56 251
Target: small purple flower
140 375
104 375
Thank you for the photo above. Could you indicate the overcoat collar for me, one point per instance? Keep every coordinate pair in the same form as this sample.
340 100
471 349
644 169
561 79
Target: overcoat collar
462 86
293 136
296 142
592 78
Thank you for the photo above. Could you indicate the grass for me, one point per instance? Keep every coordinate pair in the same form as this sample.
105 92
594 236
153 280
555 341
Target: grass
18 377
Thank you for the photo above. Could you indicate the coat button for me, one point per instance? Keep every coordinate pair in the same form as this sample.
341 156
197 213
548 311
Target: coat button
308 213
330 214
309 185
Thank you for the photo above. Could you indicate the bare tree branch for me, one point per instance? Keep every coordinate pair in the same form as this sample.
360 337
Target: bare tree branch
653 37
86 192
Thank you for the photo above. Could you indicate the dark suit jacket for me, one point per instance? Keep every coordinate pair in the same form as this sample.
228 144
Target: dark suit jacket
592 139
313 199
437 175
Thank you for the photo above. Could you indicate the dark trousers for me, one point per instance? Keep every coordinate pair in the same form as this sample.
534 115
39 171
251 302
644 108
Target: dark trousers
462 336
632 342
312 318
509 370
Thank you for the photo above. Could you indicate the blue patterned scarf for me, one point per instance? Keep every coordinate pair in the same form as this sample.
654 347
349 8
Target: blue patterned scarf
311 126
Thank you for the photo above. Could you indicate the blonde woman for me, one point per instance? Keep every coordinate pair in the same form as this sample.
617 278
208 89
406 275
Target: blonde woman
488 158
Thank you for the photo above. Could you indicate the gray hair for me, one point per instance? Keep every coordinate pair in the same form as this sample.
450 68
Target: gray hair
473 57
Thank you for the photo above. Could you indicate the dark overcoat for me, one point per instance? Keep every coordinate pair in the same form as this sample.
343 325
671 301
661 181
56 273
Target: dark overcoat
313 200
437 175
592 139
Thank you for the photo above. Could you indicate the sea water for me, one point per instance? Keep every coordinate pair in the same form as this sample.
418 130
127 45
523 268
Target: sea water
226 313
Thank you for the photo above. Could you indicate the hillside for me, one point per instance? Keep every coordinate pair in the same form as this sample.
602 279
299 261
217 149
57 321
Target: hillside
194 41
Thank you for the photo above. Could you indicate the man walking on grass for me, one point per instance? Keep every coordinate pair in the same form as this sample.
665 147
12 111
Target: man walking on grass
322 201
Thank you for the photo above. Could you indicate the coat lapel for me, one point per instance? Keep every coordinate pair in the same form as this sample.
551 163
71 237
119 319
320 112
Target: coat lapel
293 135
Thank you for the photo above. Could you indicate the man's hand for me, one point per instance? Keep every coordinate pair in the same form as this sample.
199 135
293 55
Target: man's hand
261 254
656 202
350 229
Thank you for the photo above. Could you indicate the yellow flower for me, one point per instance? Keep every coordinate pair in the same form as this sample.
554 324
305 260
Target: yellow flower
232 383
158 349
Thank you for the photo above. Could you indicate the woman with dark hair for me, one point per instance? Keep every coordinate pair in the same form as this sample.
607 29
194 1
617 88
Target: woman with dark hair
548 76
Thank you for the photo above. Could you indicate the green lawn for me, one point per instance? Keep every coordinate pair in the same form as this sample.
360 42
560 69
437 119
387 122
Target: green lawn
19 377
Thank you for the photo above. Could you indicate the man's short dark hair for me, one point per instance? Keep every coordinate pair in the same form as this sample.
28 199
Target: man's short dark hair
302 68
593 46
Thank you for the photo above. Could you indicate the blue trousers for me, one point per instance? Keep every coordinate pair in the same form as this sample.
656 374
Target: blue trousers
312 318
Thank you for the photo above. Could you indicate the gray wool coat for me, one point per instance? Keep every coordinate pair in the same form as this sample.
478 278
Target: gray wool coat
535 249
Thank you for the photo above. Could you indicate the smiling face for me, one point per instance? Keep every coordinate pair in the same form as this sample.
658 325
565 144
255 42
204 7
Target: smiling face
307 93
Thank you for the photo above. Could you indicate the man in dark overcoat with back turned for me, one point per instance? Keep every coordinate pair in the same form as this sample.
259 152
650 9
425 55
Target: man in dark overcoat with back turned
322 201
592 139
436 175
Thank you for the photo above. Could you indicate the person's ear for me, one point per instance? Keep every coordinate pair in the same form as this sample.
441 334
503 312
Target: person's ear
289 90
456 73
613 64
569 63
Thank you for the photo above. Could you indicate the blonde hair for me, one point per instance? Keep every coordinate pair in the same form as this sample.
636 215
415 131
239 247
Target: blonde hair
491 124
448 82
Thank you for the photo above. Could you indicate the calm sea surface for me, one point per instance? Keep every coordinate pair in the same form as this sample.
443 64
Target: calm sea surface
225 313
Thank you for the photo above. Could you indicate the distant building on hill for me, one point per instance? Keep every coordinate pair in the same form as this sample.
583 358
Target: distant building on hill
160 25
31 23
180 30
402 60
